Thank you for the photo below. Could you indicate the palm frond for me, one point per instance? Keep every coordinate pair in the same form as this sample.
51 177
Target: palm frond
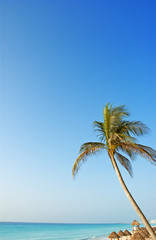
130 128
149 152
137 128
107 114
124 138
91 146
117 116
125 163
127 151
119 112
86 150
143 151
99 127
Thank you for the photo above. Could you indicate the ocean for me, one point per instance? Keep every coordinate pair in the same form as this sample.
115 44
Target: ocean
47 231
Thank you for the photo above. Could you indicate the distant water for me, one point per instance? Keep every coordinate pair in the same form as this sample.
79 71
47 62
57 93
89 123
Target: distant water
44 231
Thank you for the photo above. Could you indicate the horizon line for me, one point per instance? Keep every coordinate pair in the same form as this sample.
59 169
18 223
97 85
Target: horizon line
63 222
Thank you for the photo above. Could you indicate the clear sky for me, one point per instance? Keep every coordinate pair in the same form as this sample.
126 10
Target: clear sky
61 62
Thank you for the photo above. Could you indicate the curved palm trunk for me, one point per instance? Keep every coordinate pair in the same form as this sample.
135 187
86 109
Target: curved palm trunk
131 199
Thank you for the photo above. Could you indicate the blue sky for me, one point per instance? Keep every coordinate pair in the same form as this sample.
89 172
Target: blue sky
61 62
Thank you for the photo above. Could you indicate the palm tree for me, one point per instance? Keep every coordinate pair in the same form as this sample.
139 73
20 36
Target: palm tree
118 135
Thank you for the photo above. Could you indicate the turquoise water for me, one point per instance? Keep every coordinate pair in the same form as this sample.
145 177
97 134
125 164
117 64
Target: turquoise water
41 231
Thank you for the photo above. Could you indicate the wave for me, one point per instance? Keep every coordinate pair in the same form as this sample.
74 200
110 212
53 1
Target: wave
94 238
